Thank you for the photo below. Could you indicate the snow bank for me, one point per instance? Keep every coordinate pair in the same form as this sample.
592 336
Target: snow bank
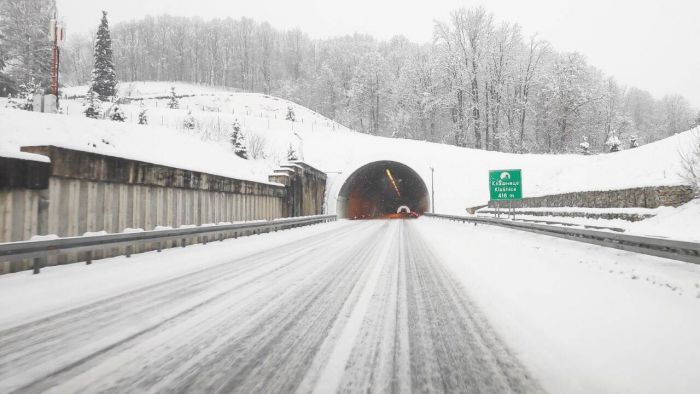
158 145
461 175
585 319
682 223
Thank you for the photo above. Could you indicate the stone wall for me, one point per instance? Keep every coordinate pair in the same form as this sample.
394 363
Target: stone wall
642 197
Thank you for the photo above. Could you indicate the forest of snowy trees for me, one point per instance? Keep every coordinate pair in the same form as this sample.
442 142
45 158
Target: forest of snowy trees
479 84
25 49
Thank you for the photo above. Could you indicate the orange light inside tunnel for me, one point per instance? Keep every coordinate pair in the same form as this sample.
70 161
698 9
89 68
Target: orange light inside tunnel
393 183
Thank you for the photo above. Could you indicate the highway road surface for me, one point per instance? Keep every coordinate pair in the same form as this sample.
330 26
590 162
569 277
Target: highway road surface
363 307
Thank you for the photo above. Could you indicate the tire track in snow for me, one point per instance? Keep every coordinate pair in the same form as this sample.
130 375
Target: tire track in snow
38 350
366 307
453 349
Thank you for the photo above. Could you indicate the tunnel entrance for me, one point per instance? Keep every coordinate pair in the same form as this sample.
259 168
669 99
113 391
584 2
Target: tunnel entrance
379 189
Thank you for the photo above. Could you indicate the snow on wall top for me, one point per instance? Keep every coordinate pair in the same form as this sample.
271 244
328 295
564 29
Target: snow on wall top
13 152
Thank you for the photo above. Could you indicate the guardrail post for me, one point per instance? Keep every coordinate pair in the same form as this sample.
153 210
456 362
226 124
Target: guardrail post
88 257
183 242
36 264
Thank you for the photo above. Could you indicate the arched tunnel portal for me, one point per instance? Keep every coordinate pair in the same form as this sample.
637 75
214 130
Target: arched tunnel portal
379 189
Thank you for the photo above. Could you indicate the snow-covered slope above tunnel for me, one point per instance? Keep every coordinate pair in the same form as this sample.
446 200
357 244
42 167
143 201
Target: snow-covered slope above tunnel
460 173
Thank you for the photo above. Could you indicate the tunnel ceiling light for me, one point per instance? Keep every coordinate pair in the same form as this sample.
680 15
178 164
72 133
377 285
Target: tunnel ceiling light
393 183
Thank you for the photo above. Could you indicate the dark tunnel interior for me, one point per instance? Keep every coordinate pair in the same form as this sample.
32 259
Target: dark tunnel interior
379 189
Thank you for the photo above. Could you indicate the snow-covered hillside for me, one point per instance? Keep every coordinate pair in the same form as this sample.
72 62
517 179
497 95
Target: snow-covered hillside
460 173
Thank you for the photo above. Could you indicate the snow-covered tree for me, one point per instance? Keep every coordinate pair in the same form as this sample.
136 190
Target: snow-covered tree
26 95
290 114
690 163
414 98
615 120
369 89
480 84
291 153
257 146
173 102
613 143
677 115
238 141
92 106
466 39
189 123
567 92
585 146
633 141
116 113
25 51
143 114
12 102
104 78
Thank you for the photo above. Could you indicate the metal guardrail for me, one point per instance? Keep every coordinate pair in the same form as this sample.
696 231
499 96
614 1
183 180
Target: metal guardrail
40 250
660 247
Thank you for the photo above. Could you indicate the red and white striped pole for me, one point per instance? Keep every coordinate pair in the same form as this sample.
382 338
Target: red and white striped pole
54 58
57 35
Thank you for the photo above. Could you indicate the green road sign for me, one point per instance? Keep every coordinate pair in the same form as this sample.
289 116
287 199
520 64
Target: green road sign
505 185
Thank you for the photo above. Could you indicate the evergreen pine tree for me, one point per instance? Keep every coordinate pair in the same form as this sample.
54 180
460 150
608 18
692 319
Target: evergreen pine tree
116 114
104 79
290 114
238 141
291 154
92 109
173 103
189 121
26 95
143 116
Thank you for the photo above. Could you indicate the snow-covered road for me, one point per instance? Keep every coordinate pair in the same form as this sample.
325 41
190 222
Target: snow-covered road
364 306
358 306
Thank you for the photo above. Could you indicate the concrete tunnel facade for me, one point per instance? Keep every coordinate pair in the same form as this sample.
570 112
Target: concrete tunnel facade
379 189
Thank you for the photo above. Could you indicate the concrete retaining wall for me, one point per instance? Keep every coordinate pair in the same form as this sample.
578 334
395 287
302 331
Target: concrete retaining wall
86 192
306 187
19 214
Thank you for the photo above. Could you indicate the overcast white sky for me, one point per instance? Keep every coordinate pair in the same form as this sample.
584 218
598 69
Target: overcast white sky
654 45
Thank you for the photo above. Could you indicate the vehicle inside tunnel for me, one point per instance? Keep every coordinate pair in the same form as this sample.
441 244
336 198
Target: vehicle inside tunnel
382 189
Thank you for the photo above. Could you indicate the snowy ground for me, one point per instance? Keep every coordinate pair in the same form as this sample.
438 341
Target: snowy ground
460 174
583 318
358 306
679 223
